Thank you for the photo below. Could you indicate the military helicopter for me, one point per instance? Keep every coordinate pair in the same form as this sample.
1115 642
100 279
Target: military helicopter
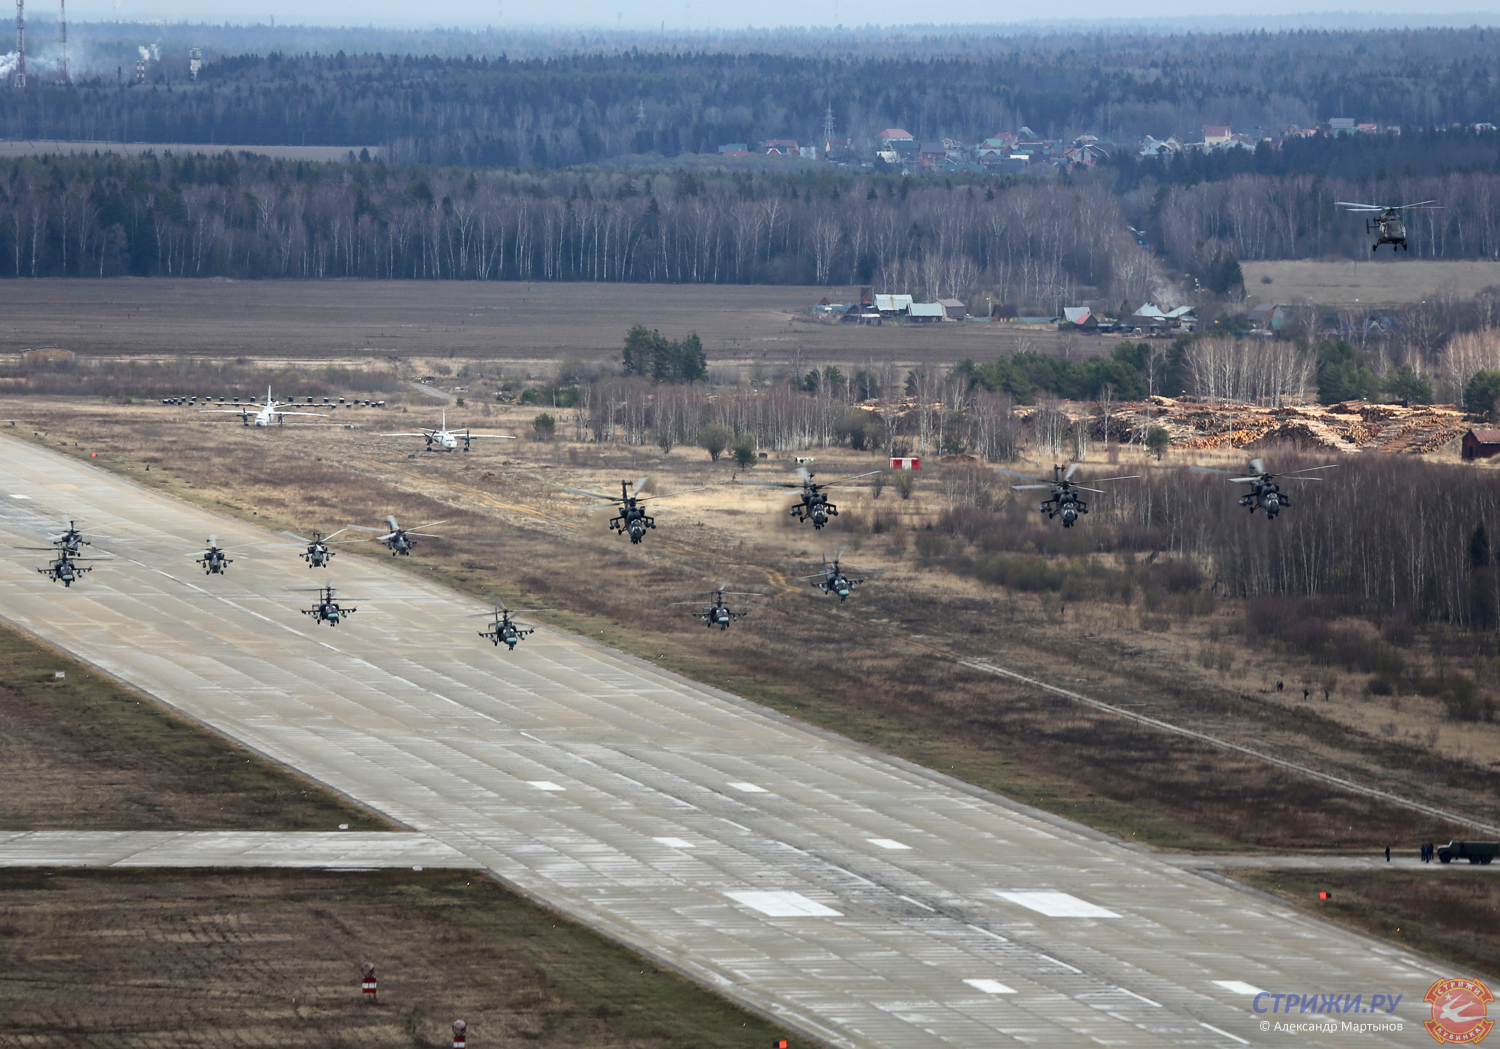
327 610
1386 221
813 504
1064 501
716 613
66 569
632 518
1264 494
446 439
318 554
832 580
504 627
69 540
399 540
214 560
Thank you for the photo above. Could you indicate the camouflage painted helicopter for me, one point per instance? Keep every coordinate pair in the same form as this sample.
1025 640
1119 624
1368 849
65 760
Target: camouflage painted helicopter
1386 221
399 540
632 520
716 613
812 504
504 628
1264 493
831 578
327 610
1064 502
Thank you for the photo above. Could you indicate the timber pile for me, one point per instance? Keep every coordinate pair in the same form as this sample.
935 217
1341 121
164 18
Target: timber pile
1347 427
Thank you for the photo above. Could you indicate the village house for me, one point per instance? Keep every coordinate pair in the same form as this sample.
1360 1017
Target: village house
1481 443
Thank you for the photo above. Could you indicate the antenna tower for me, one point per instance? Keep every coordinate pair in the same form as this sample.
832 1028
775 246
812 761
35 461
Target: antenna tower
20 43
828 128
62 36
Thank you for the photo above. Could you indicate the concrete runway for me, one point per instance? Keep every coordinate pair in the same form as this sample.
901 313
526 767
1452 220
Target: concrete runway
860 900
314 850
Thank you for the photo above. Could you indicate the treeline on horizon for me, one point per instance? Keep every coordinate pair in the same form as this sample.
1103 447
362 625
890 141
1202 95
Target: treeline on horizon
1039 243
566 109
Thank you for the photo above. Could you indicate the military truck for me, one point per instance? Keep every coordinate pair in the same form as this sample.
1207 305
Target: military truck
1473 851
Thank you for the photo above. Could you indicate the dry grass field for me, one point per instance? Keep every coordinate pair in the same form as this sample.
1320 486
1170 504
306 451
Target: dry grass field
530 326
882 667
1452 914
1388 280
272 958
85 753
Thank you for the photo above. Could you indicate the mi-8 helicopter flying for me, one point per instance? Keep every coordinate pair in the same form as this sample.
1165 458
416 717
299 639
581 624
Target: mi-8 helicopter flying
831 579
253 414
813 504
716 613
1386 220
504 628
632 518
214 560
318 554
1264 493
327 610
1064 502
399 540
448 440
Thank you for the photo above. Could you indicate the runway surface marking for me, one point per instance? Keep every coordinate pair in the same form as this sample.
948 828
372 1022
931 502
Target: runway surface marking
402 709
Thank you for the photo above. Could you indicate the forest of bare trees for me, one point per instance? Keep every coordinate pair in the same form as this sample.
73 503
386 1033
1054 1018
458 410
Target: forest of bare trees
1036 243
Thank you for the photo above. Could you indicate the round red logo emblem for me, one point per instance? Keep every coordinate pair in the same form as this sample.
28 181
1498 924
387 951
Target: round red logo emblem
1460 1011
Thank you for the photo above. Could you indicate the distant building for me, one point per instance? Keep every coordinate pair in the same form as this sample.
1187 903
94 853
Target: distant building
734 149
1004 311
1342 126
892 305
1080 317
953 309
1268 318
925 312
1215 135
1481 443
782 147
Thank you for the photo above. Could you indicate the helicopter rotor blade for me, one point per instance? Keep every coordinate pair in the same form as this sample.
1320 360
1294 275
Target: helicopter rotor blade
1029 487
1420 204
1096 491
1126 477
769 484
640 482
685 491
595 495
1310 469
1210 470
1258 465
1245 480
362 528
803 473
429 524
851 477
1353 206
299 538
1012 473
425 535
1070 471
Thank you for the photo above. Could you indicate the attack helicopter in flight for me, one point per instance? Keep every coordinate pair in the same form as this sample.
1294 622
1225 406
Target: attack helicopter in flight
1386 221
1264 493
448 440
399 540
69 541
65 569
504 628
632 519
318 552
831 578
215 560
327 610
812 504
716 613
1064 502
253 414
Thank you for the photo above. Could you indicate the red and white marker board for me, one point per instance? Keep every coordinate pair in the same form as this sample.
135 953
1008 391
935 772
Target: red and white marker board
906 462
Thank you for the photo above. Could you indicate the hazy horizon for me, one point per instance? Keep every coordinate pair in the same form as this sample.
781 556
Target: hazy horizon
682 16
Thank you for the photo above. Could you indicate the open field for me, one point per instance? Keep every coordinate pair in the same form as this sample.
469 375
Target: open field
880 668
1454 916
528 325
189 957
86 753
1388 280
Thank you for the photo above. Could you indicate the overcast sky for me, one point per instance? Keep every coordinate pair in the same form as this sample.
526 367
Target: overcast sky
701 14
